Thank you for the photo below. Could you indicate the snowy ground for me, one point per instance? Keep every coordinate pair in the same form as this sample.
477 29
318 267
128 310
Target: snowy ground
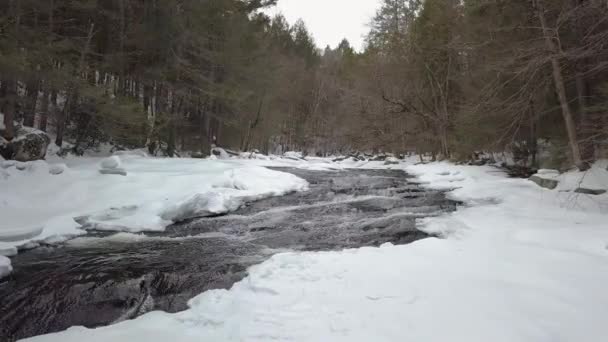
37 206
517 263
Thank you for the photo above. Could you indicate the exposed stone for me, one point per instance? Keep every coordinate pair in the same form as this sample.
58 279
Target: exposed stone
118 171
590 191
546 183
197 155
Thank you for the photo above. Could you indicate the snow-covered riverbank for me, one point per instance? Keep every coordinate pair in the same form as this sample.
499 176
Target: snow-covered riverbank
516 263
39 206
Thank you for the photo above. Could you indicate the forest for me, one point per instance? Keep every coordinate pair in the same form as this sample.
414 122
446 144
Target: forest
449 78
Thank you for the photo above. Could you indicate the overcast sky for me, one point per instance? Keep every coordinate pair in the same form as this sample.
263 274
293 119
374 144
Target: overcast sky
331 20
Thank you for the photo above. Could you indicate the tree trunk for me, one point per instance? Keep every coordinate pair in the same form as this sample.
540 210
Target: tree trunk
9 108
587 146
32 100
44 111
560 87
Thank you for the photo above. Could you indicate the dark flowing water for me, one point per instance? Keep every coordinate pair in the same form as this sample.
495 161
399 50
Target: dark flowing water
96 280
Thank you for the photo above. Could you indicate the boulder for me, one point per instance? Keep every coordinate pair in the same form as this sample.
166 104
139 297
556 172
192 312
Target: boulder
29 144
546 183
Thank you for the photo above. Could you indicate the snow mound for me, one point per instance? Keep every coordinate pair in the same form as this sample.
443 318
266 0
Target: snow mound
201 205
111 163
57 169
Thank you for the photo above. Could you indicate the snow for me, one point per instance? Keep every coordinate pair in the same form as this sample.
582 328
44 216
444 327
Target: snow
293 155
595 179
515 263
5 266
40 205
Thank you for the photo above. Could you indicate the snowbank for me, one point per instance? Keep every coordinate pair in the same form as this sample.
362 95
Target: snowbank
595 179
517 263
40 205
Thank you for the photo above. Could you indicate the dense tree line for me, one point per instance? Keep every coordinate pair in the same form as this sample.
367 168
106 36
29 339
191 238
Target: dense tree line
445 77
171 74
496 75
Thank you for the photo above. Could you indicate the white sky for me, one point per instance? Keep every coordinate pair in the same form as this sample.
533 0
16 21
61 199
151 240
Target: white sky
331 20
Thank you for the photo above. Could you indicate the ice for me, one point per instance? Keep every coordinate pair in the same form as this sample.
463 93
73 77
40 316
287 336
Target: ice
5 266
516 263
200 205
38 206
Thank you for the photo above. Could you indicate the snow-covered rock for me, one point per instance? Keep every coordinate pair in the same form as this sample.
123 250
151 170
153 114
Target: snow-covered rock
110 163
391 161
545 182
293 155
112 166
591 182
27 145
220 153
57 169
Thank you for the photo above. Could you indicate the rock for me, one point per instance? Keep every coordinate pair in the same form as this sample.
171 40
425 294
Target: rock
391 161
590 191
57 169
29 144
117 171
380 157
111 163
197 155
546 183
220 153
